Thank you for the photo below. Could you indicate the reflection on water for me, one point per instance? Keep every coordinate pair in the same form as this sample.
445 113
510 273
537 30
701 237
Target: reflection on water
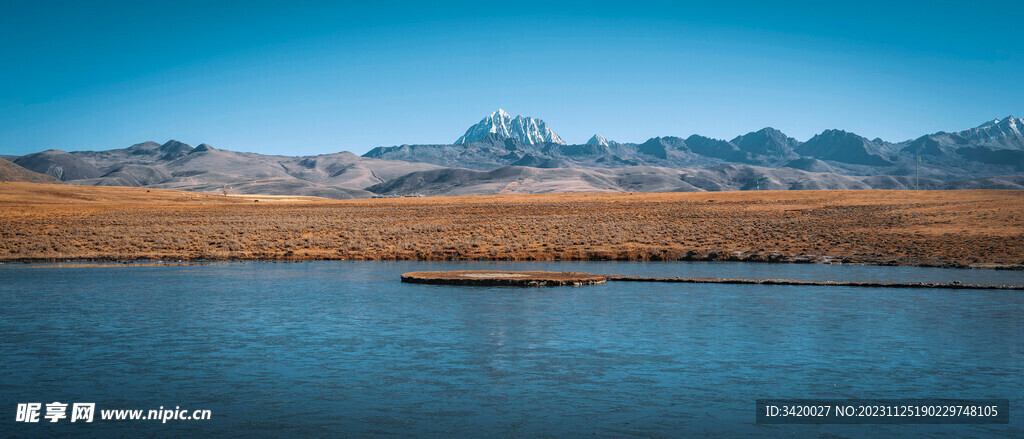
335 348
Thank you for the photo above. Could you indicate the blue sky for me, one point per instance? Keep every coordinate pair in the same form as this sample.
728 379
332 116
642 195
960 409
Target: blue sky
301 78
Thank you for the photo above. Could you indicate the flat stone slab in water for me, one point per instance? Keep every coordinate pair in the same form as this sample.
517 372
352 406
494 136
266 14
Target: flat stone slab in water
551 278
503 278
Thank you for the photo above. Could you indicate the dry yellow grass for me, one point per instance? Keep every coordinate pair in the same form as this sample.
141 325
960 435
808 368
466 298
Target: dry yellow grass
944 228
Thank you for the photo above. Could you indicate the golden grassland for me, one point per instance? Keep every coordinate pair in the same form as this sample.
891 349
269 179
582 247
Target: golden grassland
42 222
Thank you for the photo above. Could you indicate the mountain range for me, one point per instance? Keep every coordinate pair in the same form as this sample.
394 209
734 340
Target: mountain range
505 154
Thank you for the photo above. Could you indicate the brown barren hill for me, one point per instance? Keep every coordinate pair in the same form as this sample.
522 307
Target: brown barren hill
12 172
41 222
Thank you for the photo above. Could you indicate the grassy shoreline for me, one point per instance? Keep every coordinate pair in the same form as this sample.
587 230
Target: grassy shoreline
955 229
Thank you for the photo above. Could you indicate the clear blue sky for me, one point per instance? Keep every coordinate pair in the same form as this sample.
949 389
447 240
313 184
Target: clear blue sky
309 77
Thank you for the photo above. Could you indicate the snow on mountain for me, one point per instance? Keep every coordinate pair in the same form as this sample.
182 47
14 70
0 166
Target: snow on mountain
1000 133
523 129
598 140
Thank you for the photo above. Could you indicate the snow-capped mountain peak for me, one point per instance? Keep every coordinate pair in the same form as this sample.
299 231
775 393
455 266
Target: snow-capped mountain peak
598 140
1009 121
524 129
1007 132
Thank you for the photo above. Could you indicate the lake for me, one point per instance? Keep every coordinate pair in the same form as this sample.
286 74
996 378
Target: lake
327 349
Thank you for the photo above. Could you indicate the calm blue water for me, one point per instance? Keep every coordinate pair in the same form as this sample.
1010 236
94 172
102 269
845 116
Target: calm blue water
331 349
